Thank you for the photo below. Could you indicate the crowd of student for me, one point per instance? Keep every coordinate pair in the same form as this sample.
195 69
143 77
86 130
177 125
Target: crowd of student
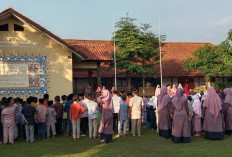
172 111
181 115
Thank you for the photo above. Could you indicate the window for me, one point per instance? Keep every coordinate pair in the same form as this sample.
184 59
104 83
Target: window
4 27
18 28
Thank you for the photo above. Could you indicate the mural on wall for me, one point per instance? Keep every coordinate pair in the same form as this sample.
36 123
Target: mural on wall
22 75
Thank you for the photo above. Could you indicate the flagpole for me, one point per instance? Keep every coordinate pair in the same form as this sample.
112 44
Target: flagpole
160 48
115 63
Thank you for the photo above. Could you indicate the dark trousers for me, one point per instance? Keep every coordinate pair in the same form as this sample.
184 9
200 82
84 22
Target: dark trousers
23 131
59 126
64 126
1 132
36 129
41 130
20 129
115 121
153 119
69 127
84 125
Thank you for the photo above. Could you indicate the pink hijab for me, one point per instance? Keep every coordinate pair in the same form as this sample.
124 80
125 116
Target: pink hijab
157 90
228 93
108 102
107 110
213 102
163 98
179 99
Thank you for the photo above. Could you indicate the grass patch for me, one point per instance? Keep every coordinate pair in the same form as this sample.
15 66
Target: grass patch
148 145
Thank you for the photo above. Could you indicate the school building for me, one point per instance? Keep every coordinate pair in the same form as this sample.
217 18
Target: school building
99 54
34 61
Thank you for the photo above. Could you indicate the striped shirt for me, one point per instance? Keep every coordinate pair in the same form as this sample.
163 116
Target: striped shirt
41 113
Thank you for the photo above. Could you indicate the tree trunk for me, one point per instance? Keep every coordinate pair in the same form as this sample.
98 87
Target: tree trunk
143 85
129 81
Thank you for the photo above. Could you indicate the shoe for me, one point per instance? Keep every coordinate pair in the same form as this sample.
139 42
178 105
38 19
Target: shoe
103 142
118 135
83 135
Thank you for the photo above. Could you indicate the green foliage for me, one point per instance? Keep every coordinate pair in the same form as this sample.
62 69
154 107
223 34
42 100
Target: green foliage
211 60
221 85
137 47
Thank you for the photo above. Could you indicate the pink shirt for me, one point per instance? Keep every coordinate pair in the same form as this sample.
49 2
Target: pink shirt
8 117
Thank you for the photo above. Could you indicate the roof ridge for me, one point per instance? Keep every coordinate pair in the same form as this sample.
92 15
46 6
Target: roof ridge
86 40
186 42
11 11
171 42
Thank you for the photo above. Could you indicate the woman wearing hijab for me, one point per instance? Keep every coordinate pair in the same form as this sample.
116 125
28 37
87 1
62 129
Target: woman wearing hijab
106 124
197 115
180 123
164 104
228 111
180 85
212 116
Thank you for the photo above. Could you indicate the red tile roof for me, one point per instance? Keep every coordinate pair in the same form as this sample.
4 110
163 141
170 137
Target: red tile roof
11 12
173 54
95 50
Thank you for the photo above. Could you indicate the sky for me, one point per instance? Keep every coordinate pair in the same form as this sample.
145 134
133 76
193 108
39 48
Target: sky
180 20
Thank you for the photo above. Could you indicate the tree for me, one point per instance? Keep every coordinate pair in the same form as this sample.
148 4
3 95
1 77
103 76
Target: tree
137 48
149 55
211 60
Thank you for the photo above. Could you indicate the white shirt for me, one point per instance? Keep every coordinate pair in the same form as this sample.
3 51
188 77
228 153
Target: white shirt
84 104
92 110
116 103
136 103
154 103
